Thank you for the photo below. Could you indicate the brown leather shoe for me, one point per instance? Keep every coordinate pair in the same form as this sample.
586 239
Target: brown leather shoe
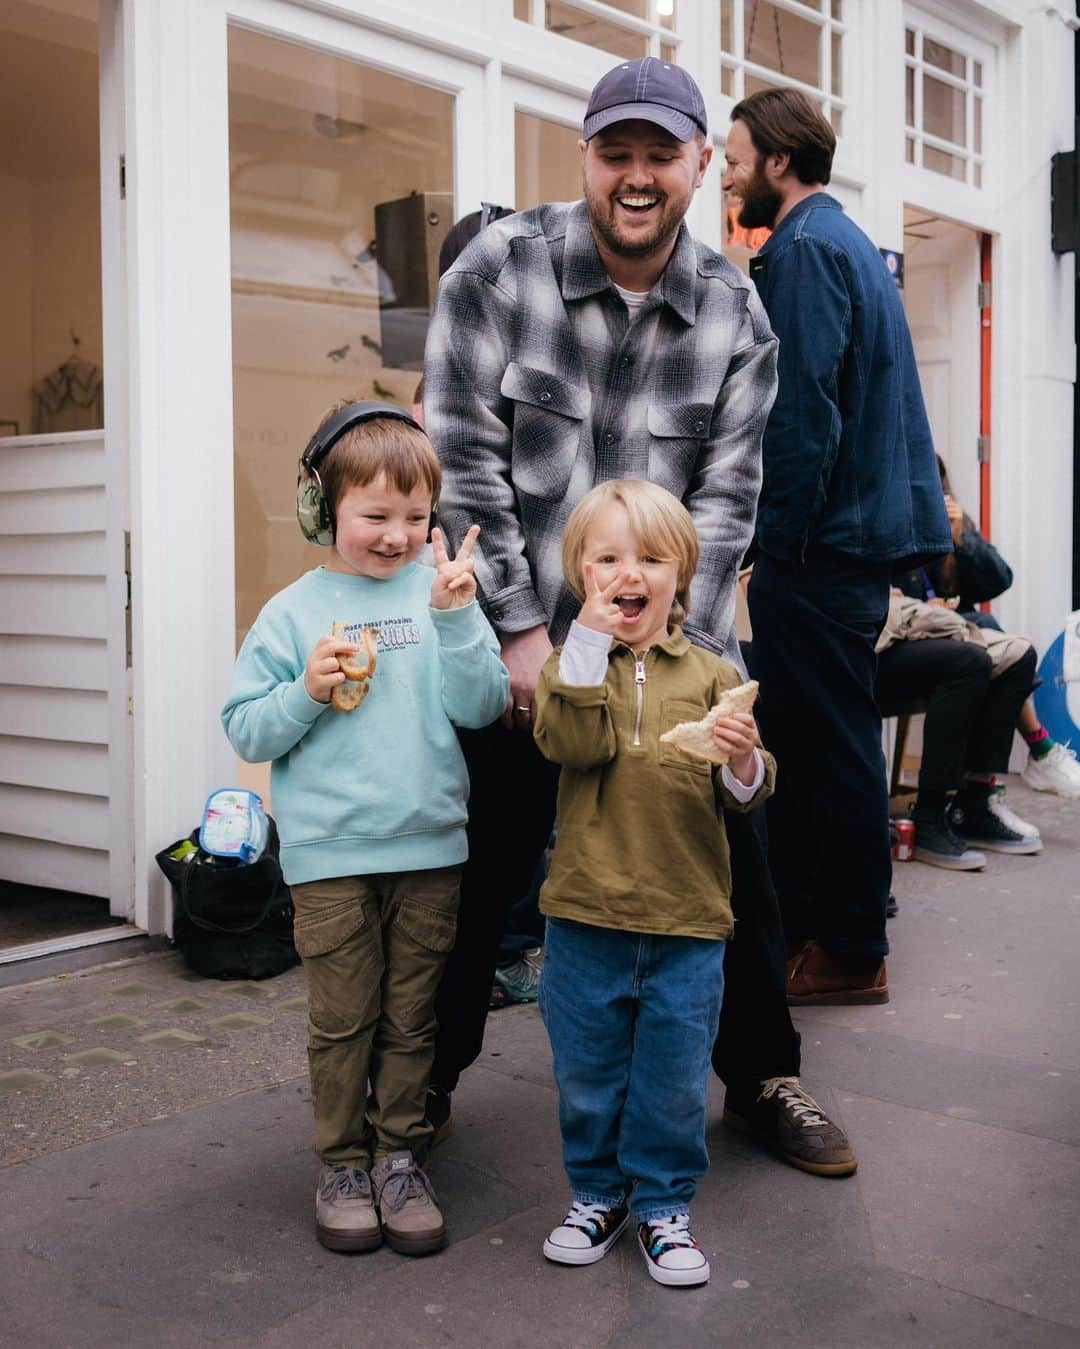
817 977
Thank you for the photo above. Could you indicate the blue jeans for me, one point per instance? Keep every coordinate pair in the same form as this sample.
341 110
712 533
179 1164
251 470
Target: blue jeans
632 1020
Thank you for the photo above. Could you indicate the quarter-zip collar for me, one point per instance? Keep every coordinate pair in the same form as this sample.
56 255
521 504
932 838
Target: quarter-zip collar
675 644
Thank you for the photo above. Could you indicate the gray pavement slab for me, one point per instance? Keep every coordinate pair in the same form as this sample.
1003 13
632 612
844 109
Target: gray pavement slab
165 1198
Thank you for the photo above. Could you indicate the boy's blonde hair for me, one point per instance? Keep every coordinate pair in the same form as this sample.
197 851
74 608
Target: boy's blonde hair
383 445
660 522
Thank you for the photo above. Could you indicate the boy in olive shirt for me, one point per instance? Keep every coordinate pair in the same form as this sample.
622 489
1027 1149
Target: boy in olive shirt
638 896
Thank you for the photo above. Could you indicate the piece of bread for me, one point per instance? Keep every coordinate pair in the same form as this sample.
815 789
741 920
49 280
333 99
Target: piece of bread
357 669
696 737
348 696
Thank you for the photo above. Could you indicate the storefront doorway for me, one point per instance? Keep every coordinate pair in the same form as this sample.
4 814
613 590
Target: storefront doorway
942 300
66 864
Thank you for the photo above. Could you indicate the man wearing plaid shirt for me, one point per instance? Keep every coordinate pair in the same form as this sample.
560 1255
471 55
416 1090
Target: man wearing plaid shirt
572 344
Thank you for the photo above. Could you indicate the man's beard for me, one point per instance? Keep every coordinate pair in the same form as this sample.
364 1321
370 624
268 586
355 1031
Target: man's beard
602 219
760 202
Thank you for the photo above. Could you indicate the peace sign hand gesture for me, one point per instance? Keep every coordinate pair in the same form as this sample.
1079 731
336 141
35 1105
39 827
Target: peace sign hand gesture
455 584
600 612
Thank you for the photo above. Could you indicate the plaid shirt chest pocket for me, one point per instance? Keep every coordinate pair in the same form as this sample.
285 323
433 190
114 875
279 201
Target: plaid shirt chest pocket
676 431
550 417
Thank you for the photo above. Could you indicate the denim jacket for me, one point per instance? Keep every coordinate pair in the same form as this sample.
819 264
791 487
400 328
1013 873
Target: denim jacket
848 456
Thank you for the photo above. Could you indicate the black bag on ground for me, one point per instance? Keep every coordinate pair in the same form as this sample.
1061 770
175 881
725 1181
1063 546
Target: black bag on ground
231 920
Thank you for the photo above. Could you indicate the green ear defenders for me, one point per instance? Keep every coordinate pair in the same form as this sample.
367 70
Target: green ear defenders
313 512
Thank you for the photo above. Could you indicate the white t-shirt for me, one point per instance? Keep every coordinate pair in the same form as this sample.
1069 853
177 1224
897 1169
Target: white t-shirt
634 299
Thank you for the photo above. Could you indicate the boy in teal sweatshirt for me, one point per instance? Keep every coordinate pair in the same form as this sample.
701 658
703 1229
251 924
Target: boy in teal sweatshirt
371 802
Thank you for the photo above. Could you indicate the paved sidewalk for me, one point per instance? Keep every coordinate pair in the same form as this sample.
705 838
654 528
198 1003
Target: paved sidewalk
158 1187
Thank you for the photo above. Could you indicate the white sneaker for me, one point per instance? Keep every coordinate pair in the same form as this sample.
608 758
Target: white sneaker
672 1255
1009 818
1057 772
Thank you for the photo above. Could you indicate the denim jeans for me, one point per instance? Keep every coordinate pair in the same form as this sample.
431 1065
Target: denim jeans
632 1019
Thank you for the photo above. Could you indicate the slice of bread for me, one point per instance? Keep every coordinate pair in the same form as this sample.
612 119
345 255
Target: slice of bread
357 669
696 737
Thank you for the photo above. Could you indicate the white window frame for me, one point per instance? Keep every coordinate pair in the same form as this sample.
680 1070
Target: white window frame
973 93
929 189
826 25
651 28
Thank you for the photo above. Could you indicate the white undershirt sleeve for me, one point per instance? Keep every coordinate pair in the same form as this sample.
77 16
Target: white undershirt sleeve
739 790
583 660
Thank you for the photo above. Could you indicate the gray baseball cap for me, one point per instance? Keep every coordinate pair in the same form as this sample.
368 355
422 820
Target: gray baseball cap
647 90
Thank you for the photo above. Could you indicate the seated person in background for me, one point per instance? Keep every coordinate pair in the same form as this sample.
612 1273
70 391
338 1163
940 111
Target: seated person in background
929 653
972 573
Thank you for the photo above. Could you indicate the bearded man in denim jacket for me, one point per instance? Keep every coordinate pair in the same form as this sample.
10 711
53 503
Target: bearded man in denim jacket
850 495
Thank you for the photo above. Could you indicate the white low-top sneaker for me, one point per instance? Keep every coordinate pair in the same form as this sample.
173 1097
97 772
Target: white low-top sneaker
1057 772
586 1234
672 1256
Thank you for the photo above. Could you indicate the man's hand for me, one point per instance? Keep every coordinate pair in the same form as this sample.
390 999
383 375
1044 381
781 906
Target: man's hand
600 612
455 583
523 654
737 736
955 512
322 671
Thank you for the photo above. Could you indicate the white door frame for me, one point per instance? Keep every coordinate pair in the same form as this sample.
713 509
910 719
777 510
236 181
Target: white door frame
179 395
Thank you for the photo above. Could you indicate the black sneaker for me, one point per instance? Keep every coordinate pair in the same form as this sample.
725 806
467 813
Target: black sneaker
437 1113
586 1234
937 845
975 822
671 1254
790 1122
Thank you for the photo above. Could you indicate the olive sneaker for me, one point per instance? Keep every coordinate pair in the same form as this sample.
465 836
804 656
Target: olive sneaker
790 1122
345 1217
672 1256
411 1221
586 1234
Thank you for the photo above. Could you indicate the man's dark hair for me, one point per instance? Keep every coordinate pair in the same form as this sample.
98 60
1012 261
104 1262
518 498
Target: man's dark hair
786 122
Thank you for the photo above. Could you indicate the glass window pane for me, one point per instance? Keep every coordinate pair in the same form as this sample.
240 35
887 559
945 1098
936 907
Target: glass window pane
837 63
521 10
341 192
943 111
838 9
784 42
943 58
669 52
836 117
727 81
978 175
977 113
609 37
909 41
909 150
909 96
50 186
727 26
666 11
547 161
976 73
952 166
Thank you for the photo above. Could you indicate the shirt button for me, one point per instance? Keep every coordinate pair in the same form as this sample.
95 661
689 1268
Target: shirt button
609 439
496 613
699 426
545 397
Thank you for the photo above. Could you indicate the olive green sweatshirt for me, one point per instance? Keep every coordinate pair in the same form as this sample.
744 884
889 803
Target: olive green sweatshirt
641 844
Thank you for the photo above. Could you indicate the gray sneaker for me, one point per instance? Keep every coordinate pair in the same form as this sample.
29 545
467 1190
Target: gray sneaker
411 1221
345 1217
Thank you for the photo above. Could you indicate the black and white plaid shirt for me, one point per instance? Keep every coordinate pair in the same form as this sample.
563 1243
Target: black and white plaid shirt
537 386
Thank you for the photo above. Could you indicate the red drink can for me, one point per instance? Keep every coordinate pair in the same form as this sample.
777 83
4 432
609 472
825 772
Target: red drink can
904 847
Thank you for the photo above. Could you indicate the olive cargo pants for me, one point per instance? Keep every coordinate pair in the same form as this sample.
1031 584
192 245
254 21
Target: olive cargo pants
373 949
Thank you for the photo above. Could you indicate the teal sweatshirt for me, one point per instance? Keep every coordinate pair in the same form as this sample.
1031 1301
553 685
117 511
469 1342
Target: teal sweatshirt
382 788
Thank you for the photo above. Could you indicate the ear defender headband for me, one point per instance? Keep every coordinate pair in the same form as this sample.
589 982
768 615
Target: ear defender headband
313 513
